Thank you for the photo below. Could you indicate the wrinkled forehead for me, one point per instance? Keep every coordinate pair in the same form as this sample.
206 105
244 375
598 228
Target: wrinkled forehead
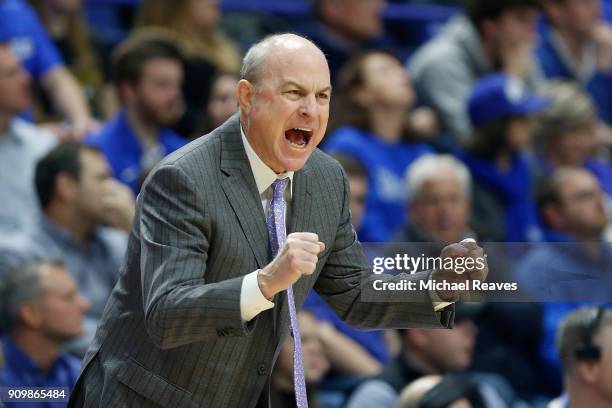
297 62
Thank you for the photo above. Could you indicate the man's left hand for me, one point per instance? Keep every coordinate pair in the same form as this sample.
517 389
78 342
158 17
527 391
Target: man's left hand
466 249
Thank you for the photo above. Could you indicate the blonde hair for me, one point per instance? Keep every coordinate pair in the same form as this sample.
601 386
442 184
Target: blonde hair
571 108
214 47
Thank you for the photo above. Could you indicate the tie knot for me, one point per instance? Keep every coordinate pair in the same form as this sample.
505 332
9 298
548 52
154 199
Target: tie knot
278 187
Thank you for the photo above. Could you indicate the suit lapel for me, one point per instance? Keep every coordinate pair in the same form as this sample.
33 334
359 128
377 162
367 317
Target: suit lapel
302 217
241 191
301 203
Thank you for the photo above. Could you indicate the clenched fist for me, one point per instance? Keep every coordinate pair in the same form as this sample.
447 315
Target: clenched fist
474 266
297 257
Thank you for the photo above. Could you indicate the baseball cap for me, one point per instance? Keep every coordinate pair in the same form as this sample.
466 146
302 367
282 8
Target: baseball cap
499 95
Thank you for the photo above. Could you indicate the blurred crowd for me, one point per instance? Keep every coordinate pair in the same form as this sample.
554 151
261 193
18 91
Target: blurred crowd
484 119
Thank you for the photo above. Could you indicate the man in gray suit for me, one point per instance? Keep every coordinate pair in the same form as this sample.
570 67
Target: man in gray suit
200 311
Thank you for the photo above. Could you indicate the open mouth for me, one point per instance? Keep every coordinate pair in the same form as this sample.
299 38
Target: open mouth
298 137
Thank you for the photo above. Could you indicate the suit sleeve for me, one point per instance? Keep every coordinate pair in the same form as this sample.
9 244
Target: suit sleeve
347 276
180 306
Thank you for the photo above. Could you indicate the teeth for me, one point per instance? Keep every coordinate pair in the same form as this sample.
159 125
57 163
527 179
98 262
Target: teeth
303 129
299 145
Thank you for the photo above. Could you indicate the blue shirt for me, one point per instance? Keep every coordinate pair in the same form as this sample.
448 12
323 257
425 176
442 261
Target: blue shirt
20 26
20 371
554 65
385 164
373 341
124 152
511 189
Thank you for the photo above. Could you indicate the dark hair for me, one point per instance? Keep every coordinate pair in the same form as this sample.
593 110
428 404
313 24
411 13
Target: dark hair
548 189
576 332
480 10
488 140
131 55
351 166
344 108
64 158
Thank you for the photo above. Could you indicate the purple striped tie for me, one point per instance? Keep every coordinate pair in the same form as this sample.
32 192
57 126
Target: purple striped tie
275 220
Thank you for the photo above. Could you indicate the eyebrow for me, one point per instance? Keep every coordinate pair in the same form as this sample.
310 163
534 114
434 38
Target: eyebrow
293 83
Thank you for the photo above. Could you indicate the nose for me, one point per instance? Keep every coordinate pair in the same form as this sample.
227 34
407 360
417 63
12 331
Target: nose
308 107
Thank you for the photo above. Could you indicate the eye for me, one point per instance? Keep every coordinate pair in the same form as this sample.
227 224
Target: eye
324 95
293 92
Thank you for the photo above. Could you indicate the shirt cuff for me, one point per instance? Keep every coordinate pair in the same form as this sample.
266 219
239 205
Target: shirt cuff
438 304
252 301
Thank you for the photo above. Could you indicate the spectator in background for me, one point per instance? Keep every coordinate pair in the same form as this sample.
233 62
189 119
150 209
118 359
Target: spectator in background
148 75
40 311
21 144
439 191
575 265
223 101
494 36
501 110
440 188
566 134
572 209
316 364
345 27
578 46
584 342
64 21
374 97
87 215
358 184
428 352
194 25
20 26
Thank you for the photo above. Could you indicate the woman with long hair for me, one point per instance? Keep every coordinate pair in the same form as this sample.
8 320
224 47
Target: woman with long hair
65 23
370 113
194 25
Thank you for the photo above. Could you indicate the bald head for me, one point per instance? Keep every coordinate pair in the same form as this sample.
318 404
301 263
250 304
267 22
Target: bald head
277 46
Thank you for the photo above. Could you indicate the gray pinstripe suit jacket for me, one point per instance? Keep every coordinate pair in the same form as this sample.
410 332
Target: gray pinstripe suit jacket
172 334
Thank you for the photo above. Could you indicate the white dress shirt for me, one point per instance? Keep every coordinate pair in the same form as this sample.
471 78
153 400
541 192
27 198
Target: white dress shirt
252 301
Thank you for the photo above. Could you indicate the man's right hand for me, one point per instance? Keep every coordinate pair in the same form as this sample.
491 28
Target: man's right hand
297 257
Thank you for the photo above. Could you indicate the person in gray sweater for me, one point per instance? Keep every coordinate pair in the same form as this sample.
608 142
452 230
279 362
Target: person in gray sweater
492 36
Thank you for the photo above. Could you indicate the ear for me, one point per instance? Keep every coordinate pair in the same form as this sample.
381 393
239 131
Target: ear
30 316
588 371
552 216
245 91
65 187
126 92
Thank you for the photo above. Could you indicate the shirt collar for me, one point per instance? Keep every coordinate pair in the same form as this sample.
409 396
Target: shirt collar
264 175
60 234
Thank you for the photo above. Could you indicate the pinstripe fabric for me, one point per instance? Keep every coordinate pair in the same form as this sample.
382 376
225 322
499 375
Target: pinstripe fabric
171 334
